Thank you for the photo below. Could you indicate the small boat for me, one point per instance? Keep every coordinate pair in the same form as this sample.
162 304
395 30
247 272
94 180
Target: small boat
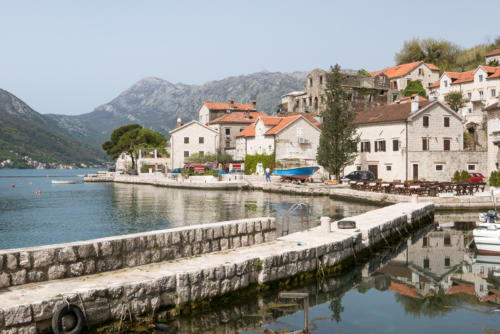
63 181
487 239
80 175
300 173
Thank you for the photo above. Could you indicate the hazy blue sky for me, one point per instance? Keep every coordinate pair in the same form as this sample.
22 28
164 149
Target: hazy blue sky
68 57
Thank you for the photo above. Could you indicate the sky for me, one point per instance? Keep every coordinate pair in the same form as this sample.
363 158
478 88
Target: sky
68 57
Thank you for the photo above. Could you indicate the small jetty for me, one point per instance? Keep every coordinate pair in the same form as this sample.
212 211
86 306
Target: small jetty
130 275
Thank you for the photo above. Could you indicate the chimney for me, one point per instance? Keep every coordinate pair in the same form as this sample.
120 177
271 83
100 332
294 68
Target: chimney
179 122
231 103
254 104
414 104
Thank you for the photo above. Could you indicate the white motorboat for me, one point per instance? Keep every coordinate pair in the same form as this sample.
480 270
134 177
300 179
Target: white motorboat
487 239
63 181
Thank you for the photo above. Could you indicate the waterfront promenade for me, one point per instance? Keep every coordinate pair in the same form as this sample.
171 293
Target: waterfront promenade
478 201
142 273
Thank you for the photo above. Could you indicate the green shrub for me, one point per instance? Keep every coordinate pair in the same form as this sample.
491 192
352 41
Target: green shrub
251 162
144 168
456 176
464 176
495 179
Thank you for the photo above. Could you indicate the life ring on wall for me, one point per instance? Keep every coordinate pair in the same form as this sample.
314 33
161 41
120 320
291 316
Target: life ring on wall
68 319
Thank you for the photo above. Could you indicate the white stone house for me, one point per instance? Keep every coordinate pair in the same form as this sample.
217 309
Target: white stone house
212 110
401 75
417 140
229 125
294 140
493 116
492 57
193 137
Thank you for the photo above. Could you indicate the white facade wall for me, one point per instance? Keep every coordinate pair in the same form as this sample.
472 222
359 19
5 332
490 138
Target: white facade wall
426 78
204 115
241 149
493 137
492 58
194 131
260 144
290 151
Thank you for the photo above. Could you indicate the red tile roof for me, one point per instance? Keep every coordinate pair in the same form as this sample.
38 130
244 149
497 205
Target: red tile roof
225 106
460 77
404 290
282 124
461 287
271 120
276 123
388 113
493 71
400 70
493 106
239 117
249 131
409 98
435 84
493 53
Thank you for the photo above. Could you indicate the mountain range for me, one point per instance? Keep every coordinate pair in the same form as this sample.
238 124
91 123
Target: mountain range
156 103
31 140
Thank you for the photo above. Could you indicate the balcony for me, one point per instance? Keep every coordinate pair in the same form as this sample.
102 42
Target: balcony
302 140
495 137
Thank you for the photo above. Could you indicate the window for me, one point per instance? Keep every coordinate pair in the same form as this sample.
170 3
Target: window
471 167
244 129
228 143
269 148
201 153
395 145
446 144
228 131
447 240
446 122
420 71
481 94
358 167
480 78
447 261
425 144
320 79
425 121
493 92
439 168
445 82
365 146
186 140
469 95
380 146
310 82
426 263
425 242
388 168
310 100
186 154
481 270
201 140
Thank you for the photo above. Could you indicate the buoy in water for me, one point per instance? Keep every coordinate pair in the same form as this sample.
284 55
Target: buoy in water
31 182
38 192
12 185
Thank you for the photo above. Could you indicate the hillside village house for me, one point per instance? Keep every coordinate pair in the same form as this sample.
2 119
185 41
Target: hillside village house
212 110
294 140
229 125
364 92
493 116
410 141
401 75
193 137
492 57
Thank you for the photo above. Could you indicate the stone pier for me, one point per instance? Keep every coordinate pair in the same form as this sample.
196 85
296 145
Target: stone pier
139 274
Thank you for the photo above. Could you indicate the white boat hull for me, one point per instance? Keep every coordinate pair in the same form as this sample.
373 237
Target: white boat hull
63 181
487 239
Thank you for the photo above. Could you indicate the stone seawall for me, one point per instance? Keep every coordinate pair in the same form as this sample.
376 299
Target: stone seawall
38 264
128 292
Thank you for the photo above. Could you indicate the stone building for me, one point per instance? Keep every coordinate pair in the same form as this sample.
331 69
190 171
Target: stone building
212 110
294 140
493 117
492 57
364 92
413 141
193 137
229 125
401 75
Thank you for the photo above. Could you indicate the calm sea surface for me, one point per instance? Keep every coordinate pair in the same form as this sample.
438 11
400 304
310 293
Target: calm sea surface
81 211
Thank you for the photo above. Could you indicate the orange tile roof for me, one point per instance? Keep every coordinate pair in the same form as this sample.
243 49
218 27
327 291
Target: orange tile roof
249 131
435 84
282 124
388 113
409 98
400 70
493 106
492 294
493 71
460 77
239 117
271 120
225 106
461 287
404 290
493 53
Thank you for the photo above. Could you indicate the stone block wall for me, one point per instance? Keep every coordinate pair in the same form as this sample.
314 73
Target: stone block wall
37 264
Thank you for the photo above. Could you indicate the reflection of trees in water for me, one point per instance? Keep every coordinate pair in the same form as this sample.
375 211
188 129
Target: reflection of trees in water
336 308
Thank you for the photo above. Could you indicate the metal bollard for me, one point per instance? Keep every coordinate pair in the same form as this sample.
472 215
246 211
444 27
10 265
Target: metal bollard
325 224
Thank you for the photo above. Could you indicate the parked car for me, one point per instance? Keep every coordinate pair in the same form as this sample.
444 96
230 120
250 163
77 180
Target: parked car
476 177
176 171
132 172
362 175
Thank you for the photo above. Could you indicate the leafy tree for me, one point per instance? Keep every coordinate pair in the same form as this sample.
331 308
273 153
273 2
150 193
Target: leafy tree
364 73
130 138
336 308
456 100
414 87
338 141
438 52
493 62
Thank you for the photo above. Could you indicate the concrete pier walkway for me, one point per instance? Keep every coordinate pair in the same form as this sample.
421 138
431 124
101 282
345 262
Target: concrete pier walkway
248 252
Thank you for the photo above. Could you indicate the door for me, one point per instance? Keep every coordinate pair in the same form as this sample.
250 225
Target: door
374 170
415 172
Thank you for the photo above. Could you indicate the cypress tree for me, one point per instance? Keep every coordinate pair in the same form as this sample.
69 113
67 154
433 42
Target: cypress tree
338 141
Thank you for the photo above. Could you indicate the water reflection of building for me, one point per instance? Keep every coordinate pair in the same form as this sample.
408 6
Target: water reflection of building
439 263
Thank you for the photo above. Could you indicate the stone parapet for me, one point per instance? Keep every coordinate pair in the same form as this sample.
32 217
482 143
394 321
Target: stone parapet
37 264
